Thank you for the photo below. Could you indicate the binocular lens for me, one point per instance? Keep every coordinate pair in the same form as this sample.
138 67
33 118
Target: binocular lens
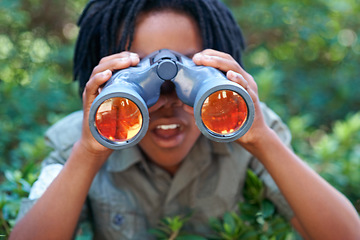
224 112
118 119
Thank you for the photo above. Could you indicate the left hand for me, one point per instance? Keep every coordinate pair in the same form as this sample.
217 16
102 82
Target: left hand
234 72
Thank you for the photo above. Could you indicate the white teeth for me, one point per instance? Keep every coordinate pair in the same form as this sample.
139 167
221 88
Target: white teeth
167 127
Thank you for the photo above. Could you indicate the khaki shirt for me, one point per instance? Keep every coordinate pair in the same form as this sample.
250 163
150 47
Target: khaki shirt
129 195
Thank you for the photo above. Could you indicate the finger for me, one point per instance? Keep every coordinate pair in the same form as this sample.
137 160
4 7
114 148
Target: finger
216 62
92 86
225 65
219 60
212 52
114 63
238 78
118 55
248 84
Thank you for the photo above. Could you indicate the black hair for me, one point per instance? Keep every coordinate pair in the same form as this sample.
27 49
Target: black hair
102 20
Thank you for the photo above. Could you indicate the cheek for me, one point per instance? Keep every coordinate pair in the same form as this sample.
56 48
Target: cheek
188 109
195 133
146 144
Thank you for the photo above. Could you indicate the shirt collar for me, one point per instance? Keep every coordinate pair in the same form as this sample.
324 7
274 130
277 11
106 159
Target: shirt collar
120 160
221 148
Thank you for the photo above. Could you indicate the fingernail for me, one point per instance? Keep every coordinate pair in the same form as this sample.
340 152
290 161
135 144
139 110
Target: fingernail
134 57
231 74
196 57
107 72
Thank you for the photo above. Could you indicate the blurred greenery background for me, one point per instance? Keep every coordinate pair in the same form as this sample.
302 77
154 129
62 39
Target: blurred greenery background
304 55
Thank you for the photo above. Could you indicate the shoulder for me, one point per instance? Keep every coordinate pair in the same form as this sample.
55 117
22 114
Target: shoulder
63 134
269 115
274 122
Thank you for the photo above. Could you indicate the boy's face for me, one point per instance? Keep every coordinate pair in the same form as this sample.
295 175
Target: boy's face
172 131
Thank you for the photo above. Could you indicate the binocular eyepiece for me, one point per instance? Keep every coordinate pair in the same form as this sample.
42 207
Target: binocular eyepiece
119 116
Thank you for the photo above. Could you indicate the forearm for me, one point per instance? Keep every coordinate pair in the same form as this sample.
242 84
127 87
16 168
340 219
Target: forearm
56 213
322 211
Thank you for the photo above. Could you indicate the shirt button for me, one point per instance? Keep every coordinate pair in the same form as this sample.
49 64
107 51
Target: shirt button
118 219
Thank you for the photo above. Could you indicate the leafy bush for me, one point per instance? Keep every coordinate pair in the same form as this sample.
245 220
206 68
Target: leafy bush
35 82
36 90
16 186
335 155
304 55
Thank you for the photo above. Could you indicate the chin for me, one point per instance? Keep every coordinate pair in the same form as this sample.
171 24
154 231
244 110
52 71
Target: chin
165 156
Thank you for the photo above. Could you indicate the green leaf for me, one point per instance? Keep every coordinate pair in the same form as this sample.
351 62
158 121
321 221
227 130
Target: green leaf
158 233
267 208
190 237
229 223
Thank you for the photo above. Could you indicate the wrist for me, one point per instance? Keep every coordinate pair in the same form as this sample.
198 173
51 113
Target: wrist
92 148
261 141
87 158
256 135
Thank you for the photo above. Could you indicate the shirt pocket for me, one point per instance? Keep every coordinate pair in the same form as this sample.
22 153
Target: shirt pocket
118 220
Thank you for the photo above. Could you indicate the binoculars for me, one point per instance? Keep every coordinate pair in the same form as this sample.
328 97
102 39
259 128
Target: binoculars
119 117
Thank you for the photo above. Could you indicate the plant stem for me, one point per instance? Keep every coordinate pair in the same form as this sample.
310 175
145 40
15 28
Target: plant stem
174 235
4 224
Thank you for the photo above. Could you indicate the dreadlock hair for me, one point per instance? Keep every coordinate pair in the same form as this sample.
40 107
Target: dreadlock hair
107 27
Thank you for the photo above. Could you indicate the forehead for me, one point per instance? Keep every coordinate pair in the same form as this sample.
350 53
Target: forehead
166 29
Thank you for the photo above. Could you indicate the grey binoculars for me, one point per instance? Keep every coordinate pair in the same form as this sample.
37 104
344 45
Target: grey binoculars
119 116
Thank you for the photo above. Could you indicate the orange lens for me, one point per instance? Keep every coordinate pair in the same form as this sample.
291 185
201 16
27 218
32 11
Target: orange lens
118 119
224 112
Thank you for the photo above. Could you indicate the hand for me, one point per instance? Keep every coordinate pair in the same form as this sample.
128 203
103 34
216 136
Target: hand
100 75
236 73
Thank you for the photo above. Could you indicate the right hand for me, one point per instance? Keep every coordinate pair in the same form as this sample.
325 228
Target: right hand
100 75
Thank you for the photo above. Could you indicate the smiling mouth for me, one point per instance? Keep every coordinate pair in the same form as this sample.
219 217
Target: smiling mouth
167 131
168 126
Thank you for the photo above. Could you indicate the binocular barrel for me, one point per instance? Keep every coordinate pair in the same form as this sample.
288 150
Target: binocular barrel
119 116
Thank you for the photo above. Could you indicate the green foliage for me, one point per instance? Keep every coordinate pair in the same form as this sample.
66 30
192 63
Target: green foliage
16 186
304 55
171 228
335 155
36 90
256 219
35 80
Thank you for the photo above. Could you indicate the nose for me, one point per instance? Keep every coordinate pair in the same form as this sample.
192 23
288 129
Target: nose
168 97
171 100
167 87
168 93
